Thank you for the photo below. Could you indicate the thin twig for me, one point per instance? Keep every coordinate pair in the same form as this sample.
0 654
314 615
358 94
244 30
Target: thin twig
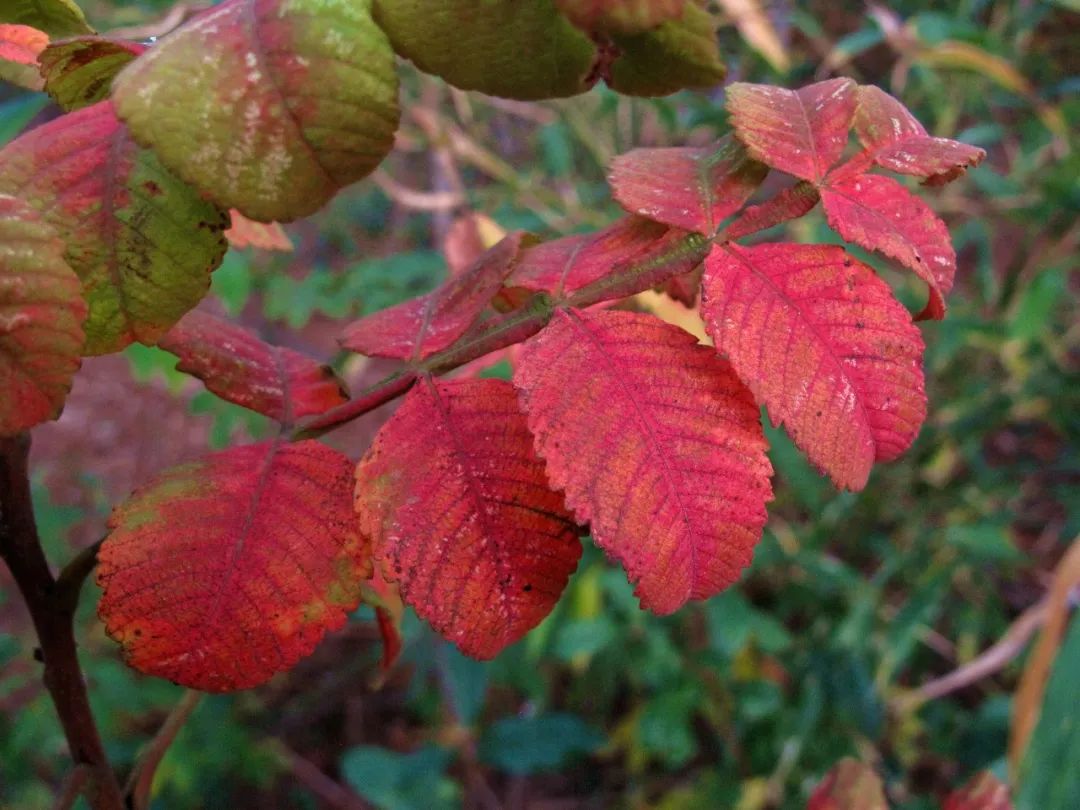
53 618
333 793
72 788
141 779
71 578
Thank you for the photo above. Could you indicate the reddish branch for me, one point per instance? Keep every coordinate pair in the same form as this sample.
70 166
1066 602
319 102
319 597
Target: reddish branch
52 607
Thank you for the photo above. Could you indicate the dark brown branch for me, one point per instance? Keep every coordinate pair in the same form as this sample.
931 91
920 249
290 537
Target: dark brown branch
53 616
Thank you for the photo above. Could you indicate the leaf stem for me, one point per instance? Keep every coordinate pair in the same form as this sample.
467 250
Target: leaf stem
142 776
53 615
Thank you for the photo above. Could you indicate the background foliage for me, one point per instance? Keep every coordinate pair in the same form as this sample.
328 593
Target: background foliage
853 603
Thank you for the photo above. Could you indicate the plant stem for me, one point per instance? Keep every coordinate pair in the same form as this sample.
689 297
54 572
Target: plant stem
53 617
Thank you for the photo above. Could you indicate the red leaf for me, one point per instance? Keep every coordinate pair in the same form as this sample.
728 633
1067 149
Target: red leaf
224 571
657 444
684 288
850 785
415 329
461 515
791 203
244 232
469 236
41 317
983 792
802 132
20 46
385 598
880 214
142 243
237 366
692 188
79 71
895 140
821 341
627 257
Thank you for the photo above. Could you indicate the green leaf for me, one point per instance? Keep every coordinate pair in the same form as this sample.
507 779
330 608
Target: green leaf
267 107
142 242
1049 777
510 48
679 54
57 18
523 745
394 781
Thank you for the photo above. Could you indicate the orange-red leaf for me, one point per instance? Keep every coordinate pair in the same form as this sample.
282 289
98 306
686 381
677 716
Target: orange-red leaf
20 46
692 188
244 232
422 326
657 445
984 791
224 571
79 71
850 785
791 203
142 242
237 366
824 345
895 139
880 214
41 316
461 515
620 16
802 132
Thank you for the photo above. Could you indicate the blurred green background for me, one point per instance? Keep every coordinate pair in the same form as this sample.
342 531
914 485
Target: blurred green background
853 603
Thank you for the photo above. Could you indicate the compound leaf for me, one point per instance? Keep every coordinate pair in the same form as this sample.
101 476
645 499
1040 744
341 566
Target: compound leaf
79 71
461 515
224 571
142 242
791 203
657 445
239 367
692 188
878 213
41 316
895 140
267 106
422 326
802 132
822 343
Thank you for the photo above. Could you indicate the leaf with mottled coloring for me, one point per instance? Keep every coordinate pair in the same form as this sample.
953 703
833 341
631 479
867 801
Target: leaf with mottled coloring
41 316
221 572
20 46
79 71
850 785
824 345
57 18
620 16
509 48
878 213
657 445
142 242
461 515
679 54
802 132
692 188
244 232
422 326
239 367
895 140
267 106
983 791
